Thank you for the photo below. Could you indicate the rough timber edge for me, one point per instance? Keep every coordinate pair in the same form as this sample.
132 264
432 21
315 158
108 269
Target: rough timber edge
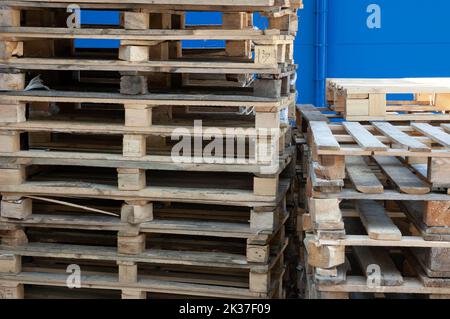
111 282
359 284
149 256
243 198
260 103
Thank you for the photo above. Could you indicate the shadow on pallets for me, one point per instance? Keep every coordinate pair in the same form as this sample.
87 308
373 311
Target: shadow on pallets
183 249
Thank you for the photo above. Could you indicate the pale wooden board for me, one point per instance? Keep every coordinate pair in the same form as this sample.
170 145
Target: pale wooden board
378 224
363 137
323 137
362 177
369 256
175 66
311 113
434 133
404 179
400 137
20 33
399 85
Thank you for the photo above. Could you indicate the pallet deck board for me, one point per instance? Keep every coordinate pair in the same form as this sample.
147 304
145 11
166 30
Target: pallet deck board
378 225
151 193
174 66
363 137
406 181
400 137
362 177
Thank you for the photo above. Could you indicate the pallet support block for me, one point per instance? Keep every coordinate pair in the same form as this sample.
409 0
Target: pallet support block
12 112
258 253
9 49
137 212
11 264
135 20
133 294
130 245
12 81
131 179
259 282
138 115
437 214
16 207
128 272
9 142
133 84
134 53
134 145
322 256
330 167
267 55
14 238
263 220
267 88
11 291
9 17
12 176
265 186
325 214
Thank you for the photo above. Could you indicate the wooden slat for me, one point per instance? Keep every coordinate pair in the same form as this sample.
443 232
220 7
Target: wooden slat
435 133
311 113
323 137
363 137
378 224
400 137
406 181
370 256
362 176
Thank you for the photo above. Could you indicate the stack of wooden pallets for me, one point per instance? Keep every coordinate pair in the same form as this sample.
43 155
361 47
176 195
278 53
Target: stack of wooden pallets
93 193
376 215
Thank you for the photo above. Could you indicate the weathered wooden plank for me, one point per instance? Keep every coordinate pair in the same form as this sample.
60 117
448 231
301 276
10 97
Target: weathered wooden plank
363 137
400 137
434 133
362 177
323 137
378 224
405 180
370 258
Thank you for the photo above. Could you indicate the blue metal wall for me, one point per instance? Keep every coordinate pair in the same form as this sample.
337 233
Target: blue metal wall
413 41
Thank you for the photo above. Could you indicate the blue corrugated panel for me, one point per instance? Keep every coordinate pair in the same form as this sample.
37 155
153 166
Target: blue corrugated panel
413 41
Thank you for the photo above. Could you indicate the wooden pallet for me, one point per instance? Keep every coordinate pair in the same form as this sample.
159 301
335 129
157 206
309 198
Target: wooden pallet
156 255
201 5
366 99
401 277
422 146
149 42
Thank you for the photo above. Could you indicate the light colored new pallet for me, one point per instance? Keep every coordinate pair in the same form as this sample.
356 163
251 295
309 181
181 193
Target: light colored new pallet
366 99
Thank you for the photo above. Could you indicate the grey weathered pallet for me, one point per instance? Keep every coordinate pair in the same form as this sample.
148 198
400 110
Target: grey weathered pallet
164 188
130 253
12 286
